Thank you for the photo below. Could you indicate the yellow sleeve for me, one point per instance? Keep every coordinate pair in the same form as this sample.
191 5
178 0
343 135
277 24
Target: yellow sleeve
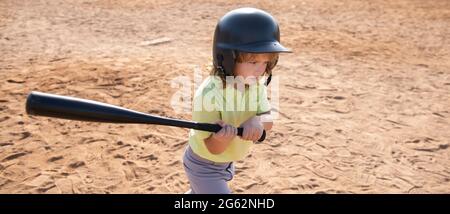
203 114
263 102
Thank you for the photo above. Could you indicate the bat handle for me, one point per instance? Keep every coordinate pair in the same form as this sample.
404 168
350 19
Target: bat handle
216 127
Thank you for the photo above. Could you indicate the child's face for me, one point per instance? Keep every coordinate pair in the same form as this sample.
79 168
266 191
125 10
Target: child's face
253 68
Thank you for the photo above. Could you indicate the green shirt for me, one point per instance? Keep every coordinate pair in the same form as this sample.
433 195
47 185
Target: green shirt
212 103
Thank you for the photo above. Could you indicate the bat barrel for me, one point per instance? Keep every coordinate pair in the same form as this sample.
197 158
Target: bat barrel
50 105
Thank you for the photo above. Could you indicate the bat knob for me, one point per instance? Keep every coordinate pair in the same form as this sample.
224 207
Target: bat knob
261 139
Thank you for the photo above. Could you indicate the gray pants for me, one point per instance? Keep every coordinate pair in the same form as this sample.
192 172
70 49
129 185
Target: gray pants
205 176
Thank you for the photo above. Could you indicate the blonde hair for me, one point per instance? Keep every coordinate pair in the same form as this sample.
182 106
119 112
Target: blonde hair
247 57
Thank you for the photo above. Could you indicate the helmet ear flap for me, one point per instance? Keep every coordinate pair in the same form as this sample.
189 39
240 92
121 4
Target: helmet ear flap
219 58
219 62
226 61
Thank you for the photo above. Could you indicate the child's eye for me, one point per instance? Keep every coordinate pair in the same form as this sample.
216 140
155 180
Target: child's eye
254 62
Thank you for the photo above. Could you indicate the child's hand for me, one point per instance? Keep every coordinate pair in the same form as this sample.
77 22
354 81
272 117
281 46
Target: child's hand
253 129
226 134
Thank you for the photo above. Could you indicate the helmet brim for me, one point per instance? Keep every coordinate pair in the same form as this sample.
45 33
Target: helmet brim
260 47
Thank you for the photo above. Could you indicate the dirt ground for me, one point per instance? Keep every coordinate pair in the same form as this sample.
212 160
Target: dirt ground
364 100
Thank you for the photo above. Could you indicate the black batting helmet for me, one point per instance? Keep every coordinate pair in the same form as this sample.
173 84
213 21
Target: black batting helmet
244 30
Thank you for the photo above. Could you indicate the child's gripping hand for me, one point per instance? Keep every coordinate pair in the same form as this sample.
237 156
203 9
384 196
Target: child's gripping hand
226 134
253 129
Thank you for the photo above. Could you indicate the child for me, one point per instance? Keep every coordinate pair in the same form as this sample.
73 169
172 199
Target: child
246 46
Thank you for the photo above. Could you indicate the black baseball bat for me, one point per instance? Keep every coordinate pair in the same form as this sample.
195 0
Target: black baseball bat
72 108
